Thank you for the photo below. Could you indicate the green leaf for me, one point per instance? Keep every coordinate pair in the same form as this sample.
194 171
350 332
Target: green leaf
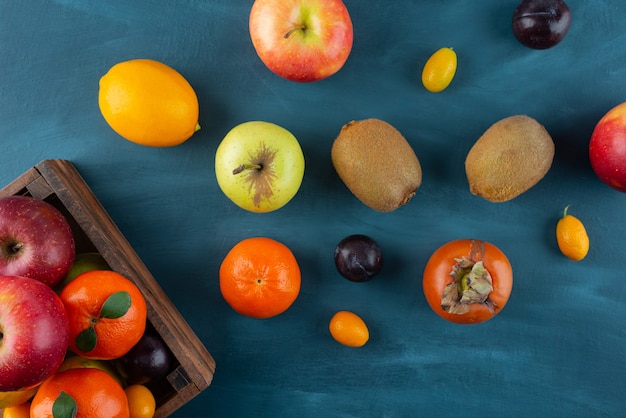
64 406
116 305
86 340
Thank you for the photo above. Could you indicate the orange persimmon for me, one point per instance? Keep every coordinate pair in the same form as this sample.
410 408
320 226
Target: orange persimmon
467 281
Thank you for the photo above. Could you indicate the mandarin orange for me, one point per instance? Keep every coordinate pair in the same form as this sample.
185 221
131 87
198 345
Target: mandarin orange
80 393
260 277
107 314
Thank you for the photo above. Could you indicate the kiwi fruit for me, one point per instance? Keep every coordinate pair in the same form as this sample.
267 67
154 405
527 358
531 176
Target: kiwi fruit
377 164
509 158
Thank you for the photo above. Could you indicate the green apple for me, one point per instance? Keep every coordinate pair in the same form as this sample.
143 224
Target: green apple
84 262
259 166
78 362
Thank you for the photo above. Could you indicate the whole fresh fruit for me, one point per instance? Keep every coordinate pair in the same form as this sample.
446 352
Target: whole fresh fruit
541 24
149 103
301 40
148 360
82 392
467 281
18 411
349 329
260 277
607 148
141 402
358 258
14 398
509 158
439 70
84 262
259 166
107 314
377 164
36 240
80 362
572 237
33 332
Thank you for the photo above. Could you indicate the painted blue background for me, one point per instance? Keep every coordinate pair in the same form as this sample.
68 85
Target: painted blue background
558 347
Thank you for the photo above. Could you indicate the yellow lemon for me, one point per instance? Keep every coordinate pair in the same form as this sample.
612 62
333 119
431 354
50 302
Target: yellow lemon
149 103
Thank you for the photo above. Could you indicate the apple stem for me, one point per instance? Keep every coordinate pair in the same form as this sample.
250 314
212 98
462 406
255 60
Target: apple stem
243 167
299 27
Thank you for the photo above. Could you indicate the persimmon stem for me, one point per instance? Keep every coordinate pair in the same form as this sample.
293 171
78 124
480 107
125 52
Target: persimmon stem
471 284
243 167
297 28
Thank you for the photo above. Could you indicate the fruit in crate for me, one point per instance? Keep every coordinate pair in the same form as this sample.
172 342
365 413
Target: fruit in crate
15 398
541 24
259 166
512 156
301 40
85 262
607 148
148 360
141 401
83 392
18 411
36 240
149 103
79 362
358 258
377 164
107 314
33 332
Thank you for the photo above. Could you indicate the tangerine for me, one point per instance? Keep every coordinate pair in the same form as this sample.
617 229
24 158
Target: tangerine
149 103
572 237
141 402
260 277
107 314
349 329
80 393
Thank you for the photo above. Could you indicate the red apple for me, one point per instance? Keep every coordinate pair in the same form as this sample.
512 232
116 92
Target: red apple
301 40
34 332
36 240
607 148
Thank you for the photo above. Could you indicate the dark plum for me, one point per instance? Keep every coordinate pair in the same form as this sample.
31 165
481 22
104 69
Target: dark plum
541 24
358 258
148 360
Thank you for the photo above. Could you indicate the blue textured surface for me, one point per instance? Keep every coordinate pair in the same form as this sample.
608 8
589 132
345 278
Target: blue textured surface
557 349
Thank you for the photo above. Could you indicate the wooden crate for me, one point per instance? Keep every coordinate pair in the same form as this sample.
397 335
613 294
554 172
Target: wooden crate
59 183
